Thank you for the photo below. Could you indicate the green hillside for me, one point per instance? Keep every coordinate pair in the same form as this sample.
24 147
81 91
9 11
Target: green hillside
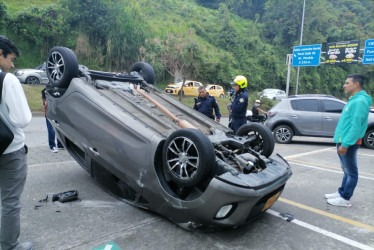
210 41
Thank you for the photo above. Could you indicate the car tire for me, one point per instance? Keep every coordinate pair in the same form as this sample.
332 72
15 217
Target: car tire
62 66
221 96
32 80
188 157
264 140
145 70
283 134
369 139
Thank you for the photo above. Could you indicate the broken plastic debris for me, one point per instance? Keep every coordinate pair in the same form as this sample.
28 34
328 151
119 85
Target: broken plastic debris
45 199
287 215
66 196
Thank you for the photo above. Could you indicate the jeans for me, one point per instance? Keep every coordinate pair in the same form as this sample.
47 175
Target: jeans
52 136
13 172
349 166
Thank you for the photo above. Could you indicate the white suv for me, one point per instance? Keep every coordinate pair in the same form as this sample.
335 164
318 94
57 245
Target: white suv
310 115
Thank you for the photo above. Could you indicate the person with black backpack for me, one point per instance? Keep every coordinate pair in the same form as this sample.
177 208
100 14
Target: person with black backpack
16 115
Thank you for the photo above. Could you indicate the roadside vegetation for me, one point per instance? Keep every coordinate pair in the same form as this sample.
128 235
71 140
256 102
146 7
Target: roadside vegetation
206 40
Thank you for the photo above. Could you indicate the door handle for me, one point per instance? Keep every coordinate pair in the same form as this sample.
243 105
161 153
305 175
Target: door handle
94 151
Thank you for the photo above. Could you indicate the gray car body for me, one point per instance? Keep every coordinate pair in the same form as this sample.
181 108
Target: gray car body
39 72
316 123
123 133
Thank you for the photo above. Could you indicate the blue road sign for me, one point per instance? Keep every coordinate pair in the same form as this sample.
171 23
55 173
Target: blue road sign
307 55
368 52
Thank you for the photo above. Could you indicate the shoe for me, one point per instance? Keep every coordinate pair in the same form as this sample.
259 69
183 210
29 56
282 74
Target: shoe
25 246
339 201
332 196
54 150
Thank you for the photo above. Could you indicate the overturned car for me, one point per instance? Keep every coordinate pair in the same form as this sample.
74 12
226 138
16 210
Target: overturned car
148 149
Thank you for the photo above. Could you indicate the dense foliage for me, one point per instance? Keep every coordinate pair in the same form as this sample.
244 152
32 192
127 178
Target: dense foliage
207 40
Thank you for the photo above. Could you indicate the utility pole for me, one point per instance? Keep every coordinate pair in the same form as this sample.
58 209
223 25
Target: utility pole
301 43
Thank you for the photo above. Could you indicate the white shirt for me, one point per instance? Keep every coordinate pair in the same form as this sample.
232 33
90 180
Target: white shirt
14 111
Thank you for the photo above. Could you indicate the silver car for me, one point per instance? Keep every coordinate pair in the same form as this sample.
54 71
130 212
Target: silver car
32 76
147 148
310 115
273 94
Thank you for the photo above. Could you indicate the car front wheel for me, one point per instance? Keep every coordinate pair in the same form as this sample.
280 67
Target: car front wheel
283 134
32 80
369 139
188 157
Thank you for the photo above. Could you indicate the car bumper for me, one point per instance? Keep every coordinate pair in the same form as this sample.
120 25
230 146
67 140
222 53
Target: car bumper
245 197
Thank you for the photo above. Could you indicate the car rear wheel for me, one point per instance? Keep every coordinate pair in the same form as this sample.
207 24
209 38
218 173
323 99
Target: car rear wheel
369 139
221 96
188 157
145 70
32 80
283 134
62 66
264 141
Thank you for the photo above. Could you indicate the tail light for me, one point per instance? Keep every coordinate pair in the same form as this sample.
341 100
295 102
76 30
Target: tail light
272 113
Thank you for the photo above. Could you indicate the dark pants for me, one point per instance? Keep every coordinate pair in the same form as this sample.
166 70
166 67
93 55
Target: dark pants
52 136
237 123
13 172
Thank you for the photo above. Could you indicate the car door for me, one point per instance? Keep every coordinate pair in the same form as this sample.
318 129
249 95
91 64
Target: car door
330 116
306 116
188 88
195 88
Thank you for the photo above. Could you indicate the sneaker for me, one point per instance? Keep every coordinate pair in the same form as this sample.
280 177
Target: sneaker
332 196
24 246
54 150
339 201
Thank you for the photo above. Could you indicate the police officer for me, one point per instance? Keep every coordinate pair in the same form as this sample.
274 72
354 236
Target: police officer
206 103
239 103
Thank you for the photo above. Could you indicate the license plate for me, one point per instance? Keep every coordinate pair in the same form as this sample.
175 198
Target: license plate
270 201
168 91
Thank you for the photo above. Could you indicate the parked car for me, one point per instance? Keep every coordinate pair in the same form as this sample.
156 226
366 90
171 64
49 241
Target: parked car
189 88
33 76
273 94
148 149
215 90
310 115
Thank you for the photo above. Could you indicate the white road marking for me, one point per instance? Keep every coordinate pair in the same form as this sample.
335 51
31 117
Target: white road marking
329 170
324 232
309 153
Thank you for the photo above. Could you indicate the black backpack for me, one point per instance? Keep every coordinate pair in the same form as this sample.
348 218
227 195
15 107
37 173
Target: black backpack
6 135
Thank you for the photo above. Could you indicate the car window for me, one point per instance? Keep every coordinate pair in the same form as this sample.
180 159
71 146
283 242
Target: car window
305 105
333 106
219 87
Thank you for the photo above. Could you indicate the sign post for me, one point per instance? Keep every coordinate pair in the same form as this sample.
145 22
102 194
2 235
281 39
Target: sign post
369 52
307 55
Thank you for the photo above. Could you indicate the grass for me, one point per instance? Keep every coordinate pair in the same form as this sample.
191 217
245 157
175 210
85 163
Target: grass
34 97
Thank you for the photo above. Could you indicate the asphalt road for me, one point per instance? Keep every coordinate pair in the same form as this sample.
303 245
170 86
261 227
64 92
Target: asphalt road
99 221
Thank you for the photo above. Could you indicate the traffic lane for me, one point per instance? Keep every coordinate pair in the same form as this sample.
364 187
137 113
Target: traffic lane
99 218
316 172
55 225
